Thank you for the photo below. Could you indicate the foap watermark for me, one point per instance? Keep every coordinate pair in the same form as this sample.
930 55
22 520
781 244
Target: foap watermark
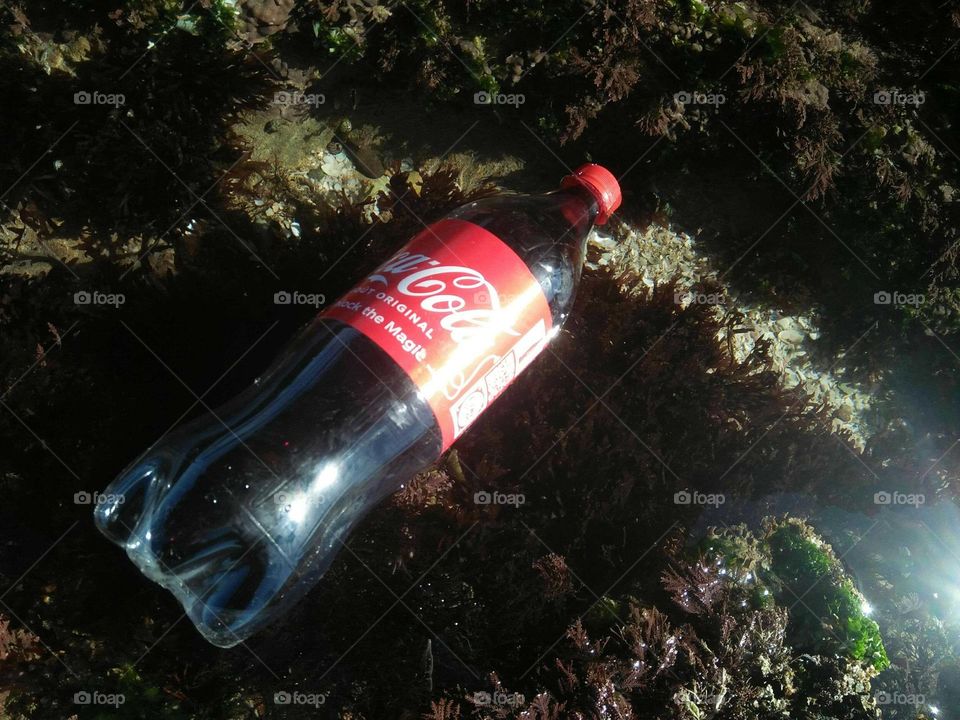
95 697
483 297
498 498
898 299
295 502
714 702
697 298
97 498
295 697
886 497
85 297
283 297
488 98
288 98
895 97
85 97
898 698
483 698
685 497
699 98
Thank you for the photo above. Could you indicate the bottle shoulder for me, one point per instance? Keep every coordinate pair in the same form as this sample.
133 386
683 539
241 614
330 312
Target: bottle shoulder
548 232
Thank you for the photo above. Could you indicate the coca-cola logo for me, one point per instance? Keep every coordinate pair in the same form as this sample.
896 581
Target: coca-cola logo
450 291
459 311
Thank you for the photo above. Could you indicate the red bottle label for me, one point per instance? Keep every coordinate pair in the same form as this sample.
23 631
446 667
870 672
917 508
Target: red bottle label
459 311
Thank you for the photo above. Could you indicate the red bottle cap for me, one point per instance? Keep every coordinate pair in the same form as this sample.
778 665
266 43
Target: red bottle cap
601 183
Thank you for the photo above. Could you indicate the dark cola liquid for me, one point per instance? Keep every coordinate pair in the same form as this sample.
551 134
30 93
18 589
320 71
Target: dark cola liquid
240 512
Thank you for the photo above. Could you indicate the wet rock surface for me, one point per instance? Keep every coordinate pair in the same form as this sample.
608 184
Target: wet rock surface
683 398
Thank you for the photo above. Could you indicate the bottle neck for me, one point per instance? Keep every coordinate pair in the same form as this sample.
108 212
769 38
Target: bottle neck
580 209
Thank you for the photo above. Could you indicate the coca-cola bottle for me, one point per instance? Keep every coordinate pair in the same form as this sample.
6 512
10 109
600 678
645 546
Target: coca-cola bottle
239 512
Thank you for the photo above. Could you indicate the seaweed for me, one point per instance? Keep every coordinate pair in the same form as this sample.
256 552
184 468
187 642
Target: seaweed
805 570
585 602
709 652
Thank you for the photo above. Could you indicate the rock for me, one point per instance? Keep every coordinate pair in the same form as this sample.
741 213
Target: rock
263 18
845 411
794 337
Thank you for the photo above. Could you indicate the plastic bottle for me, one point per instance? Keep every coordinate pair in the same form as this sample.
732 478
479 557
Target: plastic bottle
239 512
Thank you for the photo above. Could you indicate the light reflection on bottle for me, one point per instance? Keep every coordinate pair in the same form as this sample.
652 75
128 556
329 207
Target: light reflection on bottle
298 508
325 478
300 504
